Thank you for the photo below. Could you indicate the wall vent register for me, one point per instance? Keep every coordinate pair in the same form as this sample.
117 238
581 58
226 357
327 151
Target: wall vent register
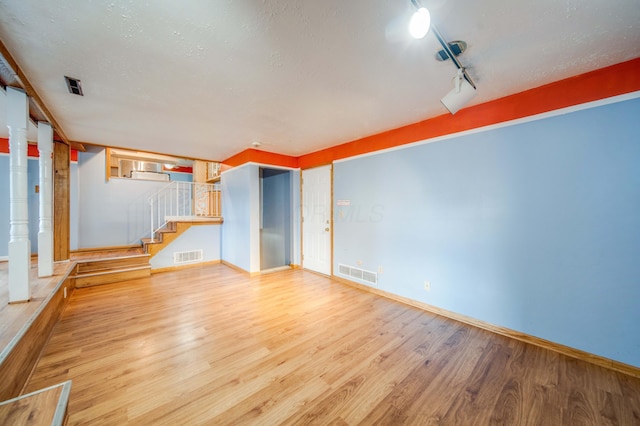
357 273
187 256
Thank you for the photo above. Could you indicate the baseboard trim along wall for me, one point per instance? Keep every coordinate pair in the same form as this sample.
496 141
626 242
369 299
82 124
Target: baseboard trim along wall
239 269
185 266
523 337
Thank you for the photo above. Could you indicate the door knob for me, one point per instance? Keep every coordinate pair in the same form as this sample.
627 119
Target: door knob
326 229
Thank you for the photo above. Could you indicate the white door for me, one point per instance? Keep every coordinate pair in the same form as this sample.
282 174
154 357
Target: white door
316 219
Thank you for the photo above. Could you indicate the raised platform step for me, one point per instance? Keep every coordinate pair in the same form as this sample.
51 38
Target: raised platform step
90 272
44 407
102 252
106 264
113 276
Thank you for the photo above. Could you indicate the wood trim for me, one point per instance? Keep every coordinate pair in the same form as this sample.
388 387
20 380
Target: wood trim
31 91
21 357
109 277
107 164
109 248
125 148
332 223
43 407
503 331
189 266
61 202
301 223
239 269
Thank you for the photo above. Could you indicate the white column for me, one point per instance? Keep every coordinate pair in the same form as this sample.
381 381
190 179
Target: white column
19 244
45 232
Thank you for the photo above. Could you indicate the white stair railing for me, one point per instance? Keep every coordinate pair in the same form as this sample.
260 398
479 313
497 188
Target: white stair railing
183 200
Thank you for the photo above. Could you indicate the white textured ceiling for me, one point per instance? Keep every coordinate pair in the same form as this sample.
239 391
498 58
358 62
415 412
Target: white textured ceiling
205 79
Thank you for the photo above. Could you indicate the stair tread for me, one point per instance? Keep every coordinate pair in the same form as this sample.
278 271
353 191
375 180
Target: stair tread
149 241
112 271
81 271
107 259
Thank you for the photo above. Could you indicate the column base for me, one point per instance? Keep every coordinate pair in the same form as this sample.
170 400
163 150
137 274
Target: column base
45 254
19 266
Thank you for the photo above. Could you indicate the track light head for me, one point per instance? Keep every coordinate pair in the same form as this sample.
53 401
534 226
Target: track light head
461 93
420 23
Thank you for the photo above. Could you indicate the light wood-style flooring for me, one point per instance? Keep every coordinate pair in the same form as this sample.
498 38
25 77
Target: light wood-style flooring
210 345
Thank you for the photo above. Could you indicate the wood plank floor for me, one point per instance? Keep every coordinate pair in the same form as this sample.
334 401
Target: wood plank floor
212 346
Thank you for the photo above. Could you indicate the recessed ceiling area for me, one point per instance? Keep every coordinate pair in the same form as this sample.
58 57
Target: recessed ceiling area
207 79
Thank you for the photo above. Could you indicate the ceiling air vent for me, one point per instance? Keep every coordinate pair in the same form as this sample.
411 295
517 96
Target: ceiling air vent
73 84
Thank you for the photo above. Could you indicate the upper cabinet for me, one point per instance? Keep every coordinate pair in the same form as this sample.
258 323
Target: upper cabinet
128 164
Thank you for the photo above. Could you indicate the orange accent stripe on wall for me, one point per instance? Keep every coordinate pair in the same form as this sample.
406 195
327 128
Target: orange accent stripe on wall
262 157
592 86
32 150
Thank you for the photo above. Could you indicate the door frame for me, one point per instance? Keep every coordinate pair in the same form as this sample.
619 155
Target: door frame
330 165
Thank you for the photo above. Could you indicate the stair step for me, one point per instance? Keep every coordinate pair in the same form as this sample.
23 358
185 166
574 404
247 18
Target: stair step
112 276
106 264
174 228
150 241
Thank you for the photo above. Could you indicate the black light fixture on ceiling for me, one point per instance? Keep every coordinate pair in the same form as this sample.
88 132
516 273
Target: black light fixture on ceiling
463 87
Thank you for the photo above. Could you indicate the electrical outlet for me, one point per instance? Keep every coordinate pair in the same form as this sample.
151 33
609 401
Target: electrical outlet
359 262
427 286
380 270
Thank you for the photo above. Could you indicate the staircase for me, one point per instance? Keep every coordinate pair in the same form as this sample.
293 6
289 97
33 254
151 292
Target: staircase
176 208
90 272
172 230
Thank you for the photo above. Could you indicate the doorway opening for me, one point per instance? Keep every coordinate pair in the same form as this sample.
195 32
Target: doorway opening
275 219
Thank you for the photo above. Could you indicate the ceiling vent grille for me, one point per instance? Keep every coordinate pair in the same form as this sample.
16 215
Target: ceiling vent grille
191 256
359 274
73 84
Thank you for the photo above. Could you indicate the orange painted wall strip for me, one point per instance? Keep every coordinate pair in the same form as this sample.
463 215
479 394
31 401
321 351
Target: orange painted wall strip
600 84
32 150
263 157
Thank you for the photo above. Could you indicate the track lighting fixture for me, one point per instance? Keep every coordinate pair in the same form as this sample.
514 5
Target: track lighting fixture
464 89
461 93
420 23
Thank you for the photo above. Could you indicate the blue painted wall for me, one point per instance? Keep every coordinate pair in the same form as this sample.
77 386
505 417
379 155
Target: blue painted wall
33 179
180 177
240 211
534 227
114 212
